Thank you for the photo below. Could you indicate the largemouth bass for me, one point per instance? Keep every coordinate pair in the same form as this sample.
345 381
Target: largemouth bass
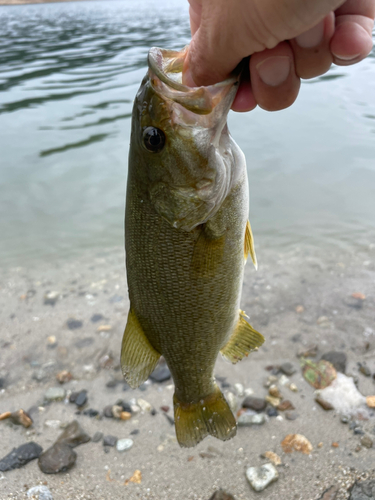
187 237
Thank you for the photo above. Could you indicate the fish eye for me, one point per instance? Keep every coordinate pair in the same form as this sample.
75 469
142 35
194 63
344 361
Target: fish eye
153 139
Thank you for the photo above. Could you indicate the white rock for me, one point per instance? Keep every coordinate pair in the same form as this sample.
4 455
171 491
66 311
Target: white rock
248 392
344 396
248 418
232 401
283 380
261 477
239 389
53 424
124 444
39 493
145 406
54 394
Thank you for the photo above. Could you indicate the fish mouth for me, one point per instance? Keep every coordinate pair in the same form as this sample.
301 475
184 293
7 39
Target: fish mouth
167 65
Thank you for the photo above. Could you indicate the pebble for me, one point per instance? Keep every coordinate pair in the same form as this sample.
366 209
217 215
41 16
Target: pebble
273 401
370 401
359 431
144 405
54 394
272 457
232 401
107 412
124 444
161 373
344 419
363 490
239 388
329 494
51 342
285 405
366 441
125 406
260 477
53 424
256 404
98 436
337 358
39 493
166 408
291 415
134 432
283 380
74 324
116 411
104 328
50 298
274 391
272 412
324 404
96 317
109 441
221 495
293 387
59 458
287 368
73 435
20 456
81 398
19 417
296 442
364 369
64 376
246 419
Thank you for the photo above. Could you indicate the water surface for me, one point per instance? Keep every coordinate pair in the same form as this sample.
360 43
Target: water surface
68 75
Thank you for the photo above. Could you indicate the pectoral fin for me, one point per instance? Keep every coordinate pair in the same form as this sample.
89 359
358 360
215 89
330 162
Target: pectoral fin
138 357
249 245
243 340
208 254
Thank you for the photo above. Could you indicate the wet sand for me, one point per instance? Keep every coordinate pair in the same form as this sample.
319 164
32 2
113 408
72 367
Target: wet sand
321 282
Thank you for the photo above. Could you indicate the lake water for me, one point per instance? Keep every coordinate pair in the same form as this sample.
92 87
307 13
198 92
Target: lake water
68 75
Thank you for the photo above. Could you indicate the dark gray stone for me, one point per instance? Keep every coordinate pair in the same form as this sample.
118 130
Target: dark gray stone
109 441
337 359
161 373
364 490
256 404
287 368
73 435
107 412
91 413
98 436
221 495
74 324
291 415
96 317
81 398
59 458
20 456
134 432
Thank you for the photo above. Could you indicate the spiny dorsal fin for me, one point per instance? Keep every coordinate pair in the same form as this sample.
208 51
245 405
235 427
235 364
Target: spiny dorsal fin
210 415
138 357
249 245
243 340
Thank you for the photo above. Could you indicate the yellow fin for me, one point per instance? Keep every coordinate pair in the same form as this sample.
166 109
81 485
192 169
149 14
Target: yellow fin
138 357
243 340
249 245
208 254
195 421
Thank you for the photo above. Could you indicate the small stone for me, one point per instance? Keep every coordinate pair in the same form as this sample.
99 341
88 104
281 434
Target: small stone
112 383
39 493
64 376
51 342
91 413
324 404
239 388
366 441
74 324
364 369
256 404
134 432
107 412
165 409
19 417
359 295
125 406
273 401
370 401
96 317
20 456
274 391
272 379
272 457
363 490
153 412
53 424
232 401
299 309
98 436
358 431
293 387
320 445
337 359
50 298
54 394
73 435
251 419
283 380
344 419
221 495
287 368
59 458
320 375
144 405
260 477
291 415
161 373
104 328
272 412
296 442
116 411
125 415
81 398
124 444
143 387
285 405
330 494
136 478
335 444
109 441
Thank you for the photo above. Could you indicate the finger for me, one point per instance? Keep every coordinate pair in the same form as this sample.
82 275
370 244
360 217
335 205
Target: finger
244 100
312 54
274 82
352 40
195 12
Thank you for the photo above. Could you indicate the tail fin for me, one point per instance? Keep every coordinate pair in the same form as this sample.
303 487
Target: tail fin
195 421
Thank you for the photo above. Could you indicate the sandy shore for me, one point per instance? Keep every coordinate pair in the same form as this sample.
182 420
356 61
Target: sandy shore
322 284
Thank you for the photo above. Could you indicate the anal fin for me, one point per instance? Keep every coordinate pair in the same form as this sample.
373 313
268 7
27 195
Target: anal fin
249 245
243 340
138 357
210 415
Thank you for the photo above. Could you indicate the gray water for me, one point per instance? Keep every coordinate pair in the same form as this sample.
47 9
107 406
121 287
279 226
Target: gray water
68 75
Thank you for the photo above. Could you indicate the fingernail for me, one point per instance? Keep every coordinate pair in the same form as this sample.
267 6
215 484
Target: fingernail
347 58
274 70
312 37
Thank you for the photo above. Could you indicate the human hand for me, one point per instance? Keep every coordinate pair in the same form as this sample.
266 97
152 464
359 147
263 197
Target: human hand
287 40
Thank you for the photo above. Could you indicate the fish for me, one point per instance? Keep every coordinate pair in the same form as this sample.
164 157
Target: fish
187 238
